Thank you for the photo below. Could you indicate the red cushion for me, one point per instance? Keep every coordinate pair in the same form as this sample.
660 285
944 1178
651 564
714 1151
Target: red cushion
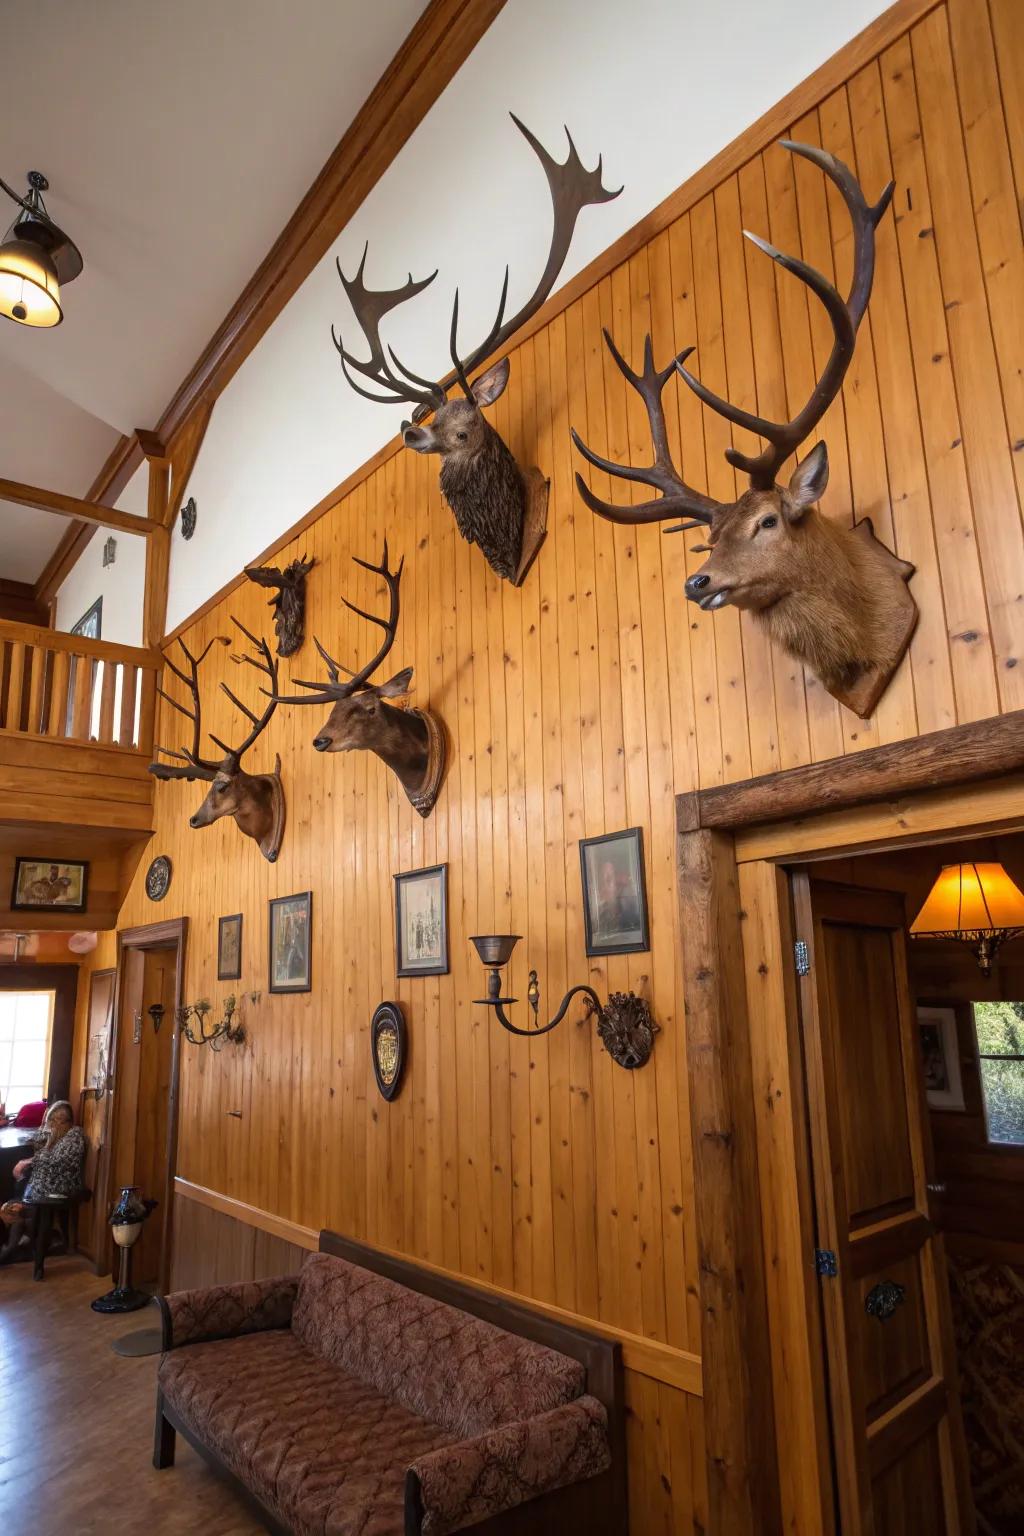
31 1115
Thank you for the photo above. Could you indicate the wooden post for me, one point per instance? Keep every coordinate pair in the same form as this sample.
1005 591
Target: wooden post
158 545
739 1424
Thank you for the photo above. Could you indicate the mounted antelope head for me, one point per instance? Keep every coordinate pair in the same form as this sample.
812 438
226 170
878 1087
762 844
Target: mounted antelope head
495 504
255 800
288 602
833 597
410 741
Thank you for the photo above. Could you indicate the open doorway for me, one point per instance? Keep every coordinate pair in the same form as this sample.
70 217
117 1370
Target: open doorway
142 1117
914 1076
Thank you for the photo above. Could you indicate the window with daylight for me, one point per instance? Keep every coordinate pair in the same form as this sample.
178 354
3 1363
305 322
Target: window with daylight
1000 1031
26 1021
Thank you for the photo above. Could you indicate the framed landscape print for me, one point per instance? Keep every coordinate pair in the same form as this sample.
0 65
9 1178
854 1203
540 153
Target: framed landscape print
614 895
290 943
229 947
940 1055
421 922
49 885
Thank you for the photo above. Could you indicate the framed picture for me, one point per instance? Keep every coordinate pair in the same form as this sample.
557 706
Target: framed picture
229 947
54 885
421 922
940 1055
614 894
290 943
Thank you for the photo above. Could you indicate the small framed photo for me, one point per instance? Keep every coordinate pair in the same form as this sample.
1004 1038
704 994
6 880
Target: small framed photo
290 943
53 885
614 894
940 1056
229 947
421 922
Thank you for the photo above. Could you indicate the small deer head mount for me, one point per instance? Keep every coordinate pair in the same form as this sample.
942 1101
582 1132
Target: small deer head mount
495 504
410 741
288 602
835 598
255 800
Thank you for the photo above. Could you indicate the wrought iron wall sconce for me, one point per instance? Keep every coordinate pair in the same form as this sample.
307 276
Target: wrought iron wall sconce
156 1013
191 1020
624 1022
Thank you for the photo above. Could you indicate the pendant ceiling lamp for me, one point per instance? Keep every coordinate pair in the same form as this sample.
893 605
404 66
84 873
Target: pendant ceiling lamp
36 257
976 904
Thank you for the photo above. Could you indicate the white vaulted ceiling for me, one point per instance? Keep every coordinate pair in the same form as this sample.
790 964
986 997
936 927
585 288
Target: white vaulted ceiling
178 139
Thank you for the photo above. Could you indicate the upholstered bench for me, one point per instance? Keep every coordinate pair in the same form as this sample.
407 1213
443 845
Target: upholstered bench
365 1396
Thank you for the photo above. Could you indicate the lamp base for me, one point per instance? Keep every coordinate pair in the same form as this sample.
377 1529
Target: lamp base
122 1298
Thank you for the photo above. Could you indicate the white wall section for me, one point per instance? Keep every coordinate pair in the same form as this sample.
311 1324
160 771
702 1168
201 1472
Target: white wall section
656 87
121 585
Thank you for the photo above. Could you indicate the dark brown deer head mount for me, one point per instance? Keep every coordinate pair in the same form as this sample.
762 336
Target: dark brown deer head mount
835 598
495 504
255 800
410 741
288 602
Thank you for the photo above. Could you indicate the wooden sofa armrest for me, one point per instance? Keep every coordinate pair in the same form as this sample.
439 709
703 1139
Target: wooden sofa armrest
459 1485
226 1311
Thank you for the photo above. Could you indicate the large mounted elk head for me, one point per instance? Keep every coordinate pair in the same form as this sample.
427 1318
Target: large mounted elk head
833 597
410 741
255 800
495 504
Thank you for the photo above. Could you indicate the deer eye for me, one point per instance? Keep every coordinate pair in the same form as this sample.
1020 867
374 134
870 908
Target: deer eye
462 436
768 522
221 788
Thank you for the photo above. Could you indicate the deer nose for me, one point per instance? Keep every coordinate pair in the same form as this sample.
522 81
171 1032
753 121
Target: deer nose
193 821
322 743
696 584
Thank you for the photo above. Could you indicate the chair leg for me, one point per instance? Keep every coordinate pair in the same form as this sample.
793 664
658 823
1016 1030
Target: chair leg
164 1438
44 1226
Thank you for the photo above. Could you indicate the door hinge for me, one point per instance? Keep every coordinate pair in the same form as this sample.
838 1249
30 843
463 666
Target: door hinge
802 956
825 1263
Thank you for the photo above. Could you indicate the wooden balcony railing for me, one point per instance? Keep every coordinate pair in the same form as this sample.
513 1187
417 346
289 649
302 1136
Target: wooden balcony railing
64 687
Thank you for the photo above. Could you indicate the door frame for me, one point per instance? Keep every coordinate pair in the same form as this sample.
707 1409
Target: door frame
172 933
768 1450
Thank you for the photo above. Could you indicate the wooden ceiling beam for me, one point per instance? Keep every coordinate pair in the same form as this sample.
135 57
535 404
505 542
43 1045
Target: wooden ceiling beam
73 506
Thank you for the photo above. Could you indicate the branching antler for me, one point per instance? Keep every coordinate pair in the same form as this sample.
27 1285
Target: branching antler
335 689
572 188
266 663
783 438
676 496
196 767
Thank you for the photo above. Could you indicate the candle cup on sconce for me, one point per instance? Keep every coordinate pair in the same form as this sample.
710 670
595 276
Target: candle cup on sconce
624 1022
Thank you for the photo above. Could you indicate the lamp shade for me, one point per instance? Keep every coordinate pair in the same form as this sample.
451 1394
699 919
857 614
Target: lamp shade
29 287
977 904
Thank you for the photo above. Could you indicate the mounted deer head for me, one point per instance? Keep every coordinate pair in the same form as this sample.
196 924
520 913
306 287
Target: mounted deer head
256 801
495 504
410 741
288 602
835 598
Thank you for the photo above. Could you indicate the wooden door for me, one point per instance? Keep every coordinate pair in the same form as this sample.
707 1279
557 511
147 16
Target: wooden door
143 1086
898 1446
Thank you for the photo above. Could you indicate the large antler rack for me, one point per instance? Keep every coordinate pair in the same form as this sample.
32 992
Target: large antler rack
195 766
572 189
783 438
265 662
337 688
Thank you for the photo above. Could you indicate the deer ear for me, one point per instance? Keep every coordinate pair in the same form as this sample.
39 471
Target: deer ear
492 383
807 483
395 686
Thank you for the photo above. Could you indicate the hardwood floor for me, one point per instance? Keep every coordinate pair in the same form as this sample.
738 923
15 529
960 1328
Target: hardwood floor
76 1422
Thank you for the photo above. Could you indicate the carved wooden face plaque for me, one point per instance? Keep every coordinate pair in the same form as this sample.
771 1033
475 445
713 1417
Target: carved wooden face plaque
387 1045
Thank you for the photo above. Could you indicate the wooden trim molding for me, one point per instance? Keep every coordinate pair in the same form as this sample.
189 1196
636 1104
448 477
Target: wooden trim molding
647 1357
963 754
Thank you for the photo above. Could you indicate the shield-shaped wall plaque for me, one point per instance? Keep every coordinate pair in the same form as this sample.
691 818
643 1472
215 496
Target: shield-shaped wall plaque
387 1045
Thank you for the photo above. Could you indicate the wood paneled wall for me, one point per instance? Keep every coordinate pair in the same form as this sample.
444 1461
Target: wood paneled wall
587 700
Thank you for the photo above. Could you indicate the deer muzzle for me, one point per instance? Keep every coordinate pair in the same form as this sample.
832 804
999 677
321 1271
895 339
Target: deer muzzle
702 590
420 439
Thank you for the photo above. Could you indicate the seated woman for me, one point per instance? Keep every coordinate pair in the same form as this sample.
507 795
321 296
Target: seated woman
53 1171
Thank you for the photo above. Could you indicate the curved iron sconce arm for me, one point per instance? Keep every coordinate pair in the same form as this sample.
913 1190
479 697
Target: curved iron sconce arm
191 1021
624 1022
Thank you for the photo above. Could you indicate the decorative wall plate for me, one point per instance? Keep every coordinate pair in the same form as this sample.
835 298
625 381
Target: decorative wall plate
158 878
387 1047
189 516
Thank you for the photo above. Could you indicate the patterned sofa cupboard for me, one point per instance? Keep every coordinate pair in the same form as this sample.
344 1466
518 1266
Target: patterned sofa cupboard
366 1396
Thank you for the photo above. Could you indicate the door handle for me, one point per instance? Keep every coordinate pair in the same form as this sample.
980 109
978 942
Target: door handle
883 1299
936 1189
